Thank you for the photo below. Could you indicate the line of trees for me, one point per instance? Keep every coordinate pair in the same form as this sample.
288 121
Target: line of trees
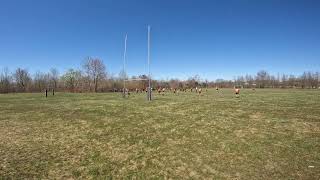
92 77
265 80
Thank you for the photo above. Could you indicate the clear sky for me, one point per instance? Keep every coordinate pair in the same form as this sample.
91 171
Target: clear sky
211 38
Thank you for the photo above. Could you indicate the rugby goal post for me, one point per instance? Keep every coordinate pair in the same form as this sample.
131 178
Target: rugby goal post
149 89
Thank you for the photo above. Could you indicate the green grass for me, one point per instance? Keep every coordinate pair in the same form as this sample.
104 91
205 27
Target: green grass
266 134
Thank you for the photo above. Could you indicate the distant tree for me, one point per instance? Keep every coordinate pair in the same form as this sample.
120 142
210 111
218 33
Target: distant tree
284 80
317 79
262 78
314 80
71 79
205 84
123 75
303 79
41 81
5 81
272 82
249 81
22 79
174 83
292 81
193 81
95 70
240 81
54 78
144 83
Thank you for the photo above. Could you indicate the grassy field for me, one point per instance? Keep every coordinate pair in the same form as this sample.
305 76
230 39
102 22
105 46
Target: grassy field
266 134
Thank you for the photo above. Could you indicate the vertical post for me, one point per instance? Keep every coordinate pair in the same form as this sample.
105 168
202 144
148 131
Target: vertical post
124 66
149 77
46 93
53 92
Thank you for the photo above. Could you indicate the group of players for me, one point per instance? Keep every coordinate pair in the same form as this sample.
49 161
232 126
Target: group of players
161 91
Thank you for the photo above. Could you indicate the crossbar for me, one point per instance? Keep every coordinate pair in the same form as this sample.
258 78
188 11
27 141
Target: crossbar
137 79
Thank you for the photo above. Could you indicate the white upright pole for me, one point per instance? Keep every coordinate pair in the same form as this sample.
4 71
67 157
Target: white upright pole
149 77
124 66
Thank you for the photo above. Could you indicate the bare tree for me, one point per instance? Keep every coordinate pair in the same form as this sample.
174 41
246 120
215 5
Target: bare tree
122 75
193 81
71 80
40 81
291 81
95 70
174 83
5 81
54 78
262 78
22 79
143 84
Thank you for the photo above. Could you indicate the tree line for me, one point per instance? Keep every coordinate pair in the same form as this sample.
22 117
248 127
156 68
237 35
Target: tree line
93 77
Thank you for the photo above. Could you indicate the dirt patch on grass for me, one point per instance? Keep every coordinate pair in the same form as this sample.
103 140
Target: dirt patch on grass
256 116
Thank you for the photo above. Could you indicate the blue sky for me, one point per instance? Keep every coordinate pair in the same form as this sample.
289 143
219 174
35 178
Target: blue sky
211 38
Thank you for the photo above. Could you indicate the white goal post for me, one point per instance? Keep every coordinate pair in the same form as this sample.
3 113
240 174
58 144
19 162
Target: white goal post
149 90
